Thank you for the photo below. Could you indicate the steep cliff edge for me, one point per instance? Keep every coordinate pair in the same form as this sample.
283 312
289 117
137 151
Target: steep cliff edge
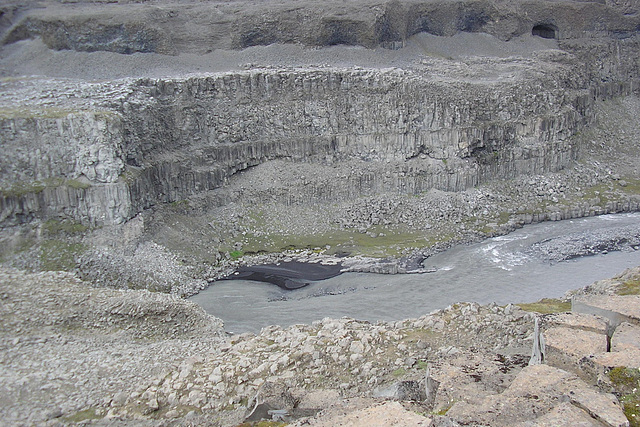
430 126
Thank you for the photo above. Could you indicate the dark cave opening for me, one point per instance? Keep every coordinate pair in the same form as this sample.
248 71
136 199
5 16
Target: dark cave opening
546 31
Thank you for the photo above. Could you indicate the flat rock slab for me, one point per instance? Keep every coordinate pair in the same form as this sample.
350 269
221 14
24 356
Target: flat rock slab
616 308
606 361
565 346
560 416
539 395
584 322
626 337
385 414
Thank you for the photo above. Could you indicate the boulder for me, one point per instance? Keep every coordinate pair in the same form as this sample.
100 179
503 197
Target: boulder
565 347
381 414
580 321
626 337
402 390
542 391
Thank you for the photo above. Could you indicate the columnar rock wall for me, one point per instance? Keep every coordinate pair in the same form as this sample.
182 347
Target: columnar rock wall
61 144
445 125
408 132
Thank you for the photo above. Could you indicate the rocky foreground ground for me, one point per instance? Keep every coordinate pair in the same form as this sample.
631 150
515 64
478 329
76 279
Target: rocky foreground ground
72 353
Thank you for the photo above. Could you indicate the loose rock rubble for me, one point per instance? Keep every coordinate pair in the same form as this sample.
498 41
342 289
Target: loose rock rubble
75 353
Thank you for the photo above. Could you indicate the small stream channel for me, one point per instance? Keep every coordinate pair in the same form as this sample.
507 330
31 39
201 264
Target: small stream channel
501 269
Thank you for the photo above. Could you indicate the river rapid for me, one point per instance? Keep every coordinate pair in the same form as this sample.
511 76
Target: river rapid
503 270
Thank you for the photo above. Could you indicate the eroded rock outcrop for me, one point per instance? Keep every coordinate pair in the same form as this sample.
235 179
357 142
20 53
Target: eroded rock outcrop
181 137
433 122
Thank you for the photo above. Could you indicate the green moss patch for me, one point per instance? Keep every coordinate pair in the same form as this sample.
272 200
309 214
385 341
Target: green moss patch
630 287
58 255
626 383
547 306
39 112
378 242
21 189
399 372
55 227
80 416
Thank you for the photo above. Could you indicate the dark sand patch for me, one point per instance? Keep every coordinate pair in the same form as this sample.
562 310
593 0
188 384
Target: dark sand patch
287 275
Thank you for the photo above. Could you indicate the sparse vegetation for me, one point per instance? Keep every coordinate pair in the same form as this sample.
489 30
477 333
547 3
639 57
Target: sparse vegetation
399 372
629 287
443 411
21 189
55 227
547 306
626 382
39 112
59 255
83 415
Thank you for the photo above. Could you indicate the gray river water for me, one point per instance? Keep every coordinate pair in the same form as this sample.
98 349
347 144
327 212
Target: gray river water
499 269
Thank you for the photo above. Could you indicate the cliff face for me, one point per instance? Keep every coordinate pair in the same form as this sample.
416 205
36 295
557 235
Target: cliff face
207 128
172 28
102 152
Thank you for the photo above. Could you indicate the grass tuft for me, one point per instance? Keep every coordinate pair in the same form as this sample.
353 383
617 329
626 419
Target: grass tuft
630 287
547 306
626 383
58 255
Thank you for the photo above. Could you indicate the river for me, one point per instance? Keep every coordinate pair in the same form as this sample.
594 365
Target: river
501 270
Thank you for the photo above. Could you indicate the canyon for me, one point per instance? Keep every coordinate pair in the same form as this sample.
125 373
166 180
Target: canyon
158 146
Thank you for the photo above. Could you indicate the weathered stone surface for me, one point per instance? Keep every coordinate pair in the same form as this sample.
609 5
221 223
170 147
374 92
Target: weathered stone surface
626 338
367 23
565 346
402 390
605 361
383 414
538 390
579 321
71 346
603 407
562 414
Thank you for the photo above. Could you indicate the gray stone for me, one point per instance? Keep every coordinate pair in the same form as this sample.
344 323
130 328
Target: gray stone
616 308
626 337
402 390
566 347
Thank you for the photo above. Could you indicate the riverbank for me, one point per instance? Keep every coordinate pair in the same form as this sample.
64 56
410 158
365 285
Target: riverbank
503 269
182 247
173 366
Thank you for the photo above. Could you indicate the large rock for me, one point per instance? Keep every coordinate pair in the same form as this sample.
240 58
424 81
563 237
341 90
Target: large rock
626 338
382 414
561 415
565 347
579 321
537 391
